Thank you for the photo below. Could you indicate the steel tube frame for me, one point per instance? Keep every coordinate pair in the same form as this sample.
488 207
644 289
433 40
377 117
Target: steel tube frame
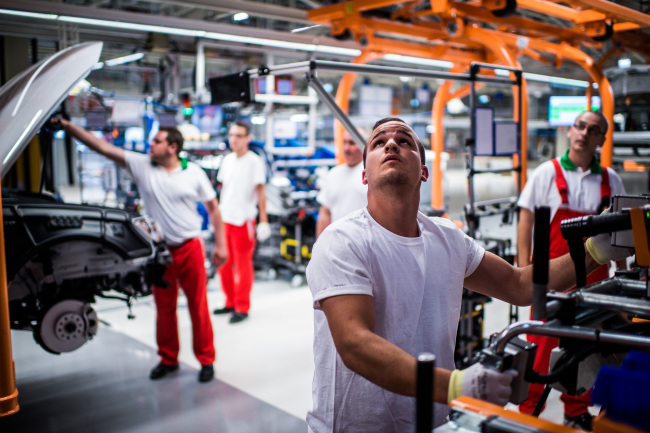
549 330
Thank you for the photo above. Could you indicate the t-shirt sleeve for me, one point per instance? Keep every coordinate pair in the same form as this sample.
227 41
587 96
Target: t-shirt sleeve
475 253
530 196
323 197
135 164
205 190
337 267
259 172
615 183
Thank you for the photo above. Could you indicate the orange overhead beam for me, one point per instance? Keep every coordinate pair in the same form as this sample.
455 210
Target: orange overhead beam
560 11
616 10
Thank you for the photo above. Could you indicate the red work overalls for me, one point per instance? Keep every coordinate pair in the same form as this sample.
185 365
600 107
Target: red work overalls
573 405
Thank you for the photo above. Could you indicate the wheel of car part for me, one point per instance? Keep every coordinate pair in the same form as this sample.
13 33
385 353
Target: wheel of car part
67 325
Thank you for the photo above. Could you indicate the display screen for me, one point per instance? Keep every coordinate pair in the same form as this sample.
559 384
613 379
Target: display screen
563 110
207 118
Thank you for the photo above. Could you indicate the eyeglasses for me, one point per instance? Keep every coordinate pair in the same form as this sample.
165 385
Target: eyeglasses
592 130
237 135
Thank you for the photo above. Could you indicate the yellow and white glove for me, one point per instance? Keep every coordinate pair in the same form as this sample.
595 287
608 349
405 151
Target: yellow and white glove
601 249
480 382
263 231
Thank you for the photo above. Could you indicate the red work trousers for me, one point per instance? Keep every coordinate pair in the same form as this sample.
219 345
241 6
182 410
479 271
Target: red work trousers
188 270
237 273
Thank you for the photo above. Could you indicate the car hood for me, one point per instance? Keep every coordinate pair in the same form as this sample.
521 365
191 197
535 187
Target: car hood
29 99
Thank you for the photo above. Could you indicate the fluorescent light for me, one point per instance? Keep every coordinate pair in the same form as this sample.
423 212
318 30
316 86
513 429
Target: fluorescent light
299 118
133 26
29 14
240 16
282 44
124 59
258 120
302 29
546 78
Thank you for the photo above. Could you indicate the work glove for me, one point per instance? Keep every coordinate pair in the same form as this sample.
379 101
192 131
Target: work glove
601 249
483 383
263 232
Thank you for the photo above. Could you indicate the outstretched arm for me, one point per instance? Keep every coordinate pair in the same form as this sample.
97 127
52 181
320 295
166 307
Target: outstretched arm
97 144
497 278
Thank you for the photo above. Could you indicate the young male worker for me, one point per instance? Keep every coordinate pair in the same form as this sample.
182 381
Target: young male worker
242 174
387 284
170 191
572 185
342 191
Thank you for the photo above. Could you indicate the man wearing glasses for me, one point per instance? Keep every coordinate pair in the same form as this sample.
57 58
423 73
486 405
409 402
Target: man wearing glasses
342 191
242 174
572 185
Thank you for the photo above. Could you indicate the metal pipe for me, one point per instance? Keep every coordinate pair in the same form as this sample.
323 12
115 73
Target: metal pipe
316 84
574 332
625 304
314 65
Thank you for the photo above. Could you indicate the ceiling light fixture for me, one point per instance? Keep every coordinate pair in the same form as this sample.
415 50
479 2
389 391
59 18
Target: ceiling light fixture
326 49
240 16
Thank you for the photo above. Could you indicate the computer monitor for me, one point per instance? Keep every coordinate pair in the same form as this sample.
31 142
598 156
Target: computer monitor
207 118
563 110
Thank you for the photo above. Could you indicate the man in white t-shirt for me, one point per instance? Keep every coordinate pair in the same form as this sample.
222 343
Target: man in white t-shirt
242 174
170 189
387 285
343 190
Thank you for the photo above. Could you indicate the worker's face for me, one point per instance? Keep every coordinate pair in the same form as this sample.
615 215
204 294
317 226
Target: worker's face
393 157
160 149
351 151
587 133
238 139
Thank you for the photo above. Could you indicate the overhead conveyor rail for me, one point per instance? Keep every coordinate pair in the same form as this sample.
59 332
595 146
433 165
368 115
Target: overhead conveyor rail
311 68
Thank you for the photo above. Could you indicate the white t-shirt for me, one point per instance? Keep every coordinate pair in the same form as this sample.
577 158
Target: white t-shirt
343 191
240 177
416 285
171 198
583 188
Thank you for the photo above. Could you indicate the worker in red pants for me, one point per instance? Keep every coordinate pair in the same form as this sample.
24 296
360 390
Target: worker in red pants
171 188
242 174
572 185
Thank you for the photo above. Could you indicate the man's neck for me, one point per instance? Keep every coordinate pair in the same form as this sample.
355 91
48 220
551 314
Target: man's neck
582 160
170 164
395 211
241 152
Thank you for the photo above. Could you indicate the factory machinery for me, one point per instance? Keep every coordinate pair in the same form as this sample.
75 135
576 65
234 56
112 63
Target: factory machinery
603 331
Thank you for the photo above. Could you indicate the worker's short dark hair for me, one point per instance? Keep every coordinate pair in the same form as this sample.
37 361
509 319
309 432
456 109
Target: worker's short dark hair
174 136
241 125
393 119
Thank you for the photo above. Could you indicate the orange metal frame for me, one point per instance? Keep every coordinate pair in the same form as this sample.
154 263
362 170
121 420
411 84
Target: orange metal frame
483 31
